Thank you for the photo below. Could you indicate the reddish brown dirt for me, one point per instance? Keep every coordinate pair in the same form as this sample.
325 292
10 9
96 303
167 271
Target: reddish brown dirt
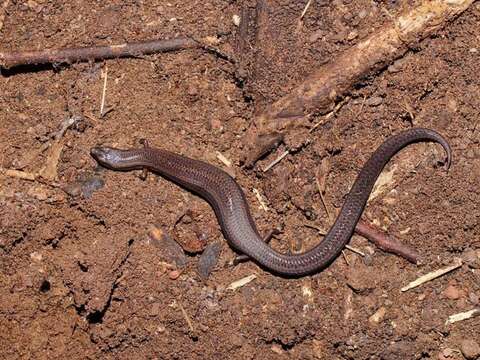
80 278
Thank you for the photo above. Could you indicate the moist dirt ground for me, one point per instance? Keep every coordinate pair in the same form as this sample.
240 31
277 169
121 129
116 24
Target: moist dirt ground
81 276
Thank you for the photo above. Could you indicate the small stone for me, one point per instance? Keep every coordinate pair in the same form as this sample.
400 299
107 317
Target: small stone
236 20
473 50
171 251
352 35
358 280
209 259
39 193
397 66
85 187
161 329
174 274
470 349
452 293
378 316
362 14
447 352
276 349
374 101
237 340
317 35
36 256
474 299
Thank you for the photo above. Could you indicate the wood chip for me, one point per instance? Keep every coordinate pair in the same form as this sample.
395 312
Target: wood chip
260 199
223 159
462 316
433 275
242 282
19 174
277 160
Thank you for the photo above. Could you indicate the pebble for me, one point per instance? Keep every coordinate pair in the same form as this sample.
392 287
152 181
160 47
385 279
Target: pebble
209 259
474 299
452 292
470 349
374 101
85 187
174 274
171 251
352 35
358 281
237 340
362 14
445 354
378 316
276 349
236 20
36 256
397 66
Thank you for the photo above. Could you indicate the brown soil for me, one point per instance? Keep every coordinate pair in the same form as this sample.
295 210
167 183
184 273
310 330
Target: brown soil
80 277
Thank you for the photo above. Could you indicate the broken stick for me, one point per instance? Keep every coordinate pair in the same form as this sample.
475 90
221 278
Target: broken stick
72 55
327 84
387 243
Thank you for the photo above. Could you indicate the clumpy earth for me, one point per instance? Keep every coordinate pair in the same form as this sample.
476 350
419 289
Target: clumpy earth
84 270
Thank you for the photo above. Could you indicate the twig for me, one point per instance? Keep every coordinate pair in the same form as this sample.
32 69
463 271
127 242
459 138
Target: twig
432 275
91 53
260 199
223 159
387 243
380 239
462 316
321 183
330 114
276 161
355 250
19 174
104 92
320 231
242 282
305 9
187 319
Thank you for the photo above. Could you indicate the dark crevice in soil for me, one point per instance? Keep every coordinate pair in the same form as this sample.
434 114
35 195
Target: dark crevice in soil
97 316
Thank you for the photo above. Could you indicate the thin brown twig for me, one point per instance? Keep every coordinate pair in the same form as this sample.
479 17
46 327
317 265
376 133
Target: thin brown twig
321 189
387 243
91 53
305 9
187 319
380 239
